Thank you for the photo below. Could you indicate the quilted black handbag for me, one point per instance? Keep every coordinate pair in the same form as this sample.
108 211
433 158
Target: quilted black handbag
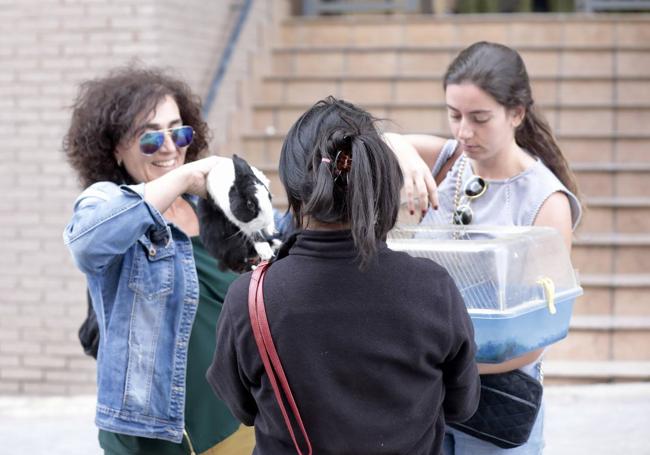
507 409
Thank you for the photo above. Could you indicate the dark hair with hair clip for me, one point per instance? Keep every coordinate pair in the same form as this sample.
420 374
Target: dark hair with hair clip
336 168
500 72
106 111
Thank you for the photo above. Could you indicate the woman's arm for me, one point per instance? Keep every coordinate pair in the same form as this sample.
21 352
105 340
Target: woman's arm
188 178
417 154
108 219
556 213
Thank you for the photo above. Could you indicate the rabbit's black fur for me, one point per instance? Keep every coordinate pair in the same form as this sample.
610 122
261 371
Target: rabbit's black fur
236 220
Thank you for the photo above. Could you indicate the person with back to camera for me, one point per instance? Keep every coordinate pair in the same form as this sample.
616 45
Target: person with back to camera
510 171
135 140
377 345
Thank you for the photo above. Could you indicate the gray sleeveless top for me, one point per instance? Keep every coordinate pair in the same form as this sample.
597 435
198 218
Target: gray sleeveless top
513 201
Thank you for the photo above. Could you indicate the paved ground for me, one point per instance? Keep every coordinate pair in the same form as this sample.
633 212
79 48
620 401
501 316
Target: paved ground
593 420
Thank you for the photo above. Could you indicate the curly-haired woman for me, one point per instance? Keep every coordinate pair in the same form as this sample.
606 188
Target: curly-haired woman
135 139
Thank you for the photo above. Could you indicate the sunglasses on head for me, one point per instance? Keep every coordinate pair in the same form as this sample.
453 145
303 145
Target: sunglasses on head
475 187
151 141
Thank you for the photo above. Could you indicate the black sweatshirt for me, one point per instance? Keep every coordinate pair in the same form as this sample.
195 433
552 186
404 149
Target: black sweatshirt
377 361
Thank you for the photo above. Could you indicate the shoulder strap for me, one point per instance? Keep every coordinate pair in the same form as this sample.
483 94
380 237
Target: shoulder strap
440 176
269 355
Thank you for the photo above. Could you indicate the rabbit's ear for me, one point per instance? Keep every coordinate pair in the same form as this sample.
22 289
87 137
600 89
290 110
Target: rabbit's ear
242 168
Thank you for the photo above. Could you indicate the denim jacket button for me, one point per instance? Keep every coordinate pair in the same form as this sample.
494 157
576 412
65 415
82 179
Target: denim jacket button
152 251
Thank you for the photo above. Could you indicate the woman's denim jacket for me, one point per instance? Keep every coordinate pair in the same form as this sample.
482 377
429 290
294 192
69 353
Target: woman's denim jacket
142 279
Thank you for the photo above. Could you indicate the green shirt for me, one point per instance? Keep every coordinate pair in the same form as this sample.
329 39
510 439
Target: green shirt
207 420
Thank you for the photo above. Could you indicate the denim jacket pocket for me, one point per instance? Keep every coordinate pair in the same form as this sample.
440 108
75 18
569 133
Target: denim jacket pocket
152 274
152 281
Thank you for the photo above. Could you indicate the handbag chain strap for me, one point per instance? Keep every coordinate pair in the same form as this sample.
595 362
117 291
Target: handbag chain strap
459 182
269 354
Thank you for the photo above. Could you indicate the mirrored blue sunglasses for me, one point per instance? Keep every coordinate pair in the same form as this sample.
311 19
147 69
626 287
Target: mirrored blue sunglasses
151 141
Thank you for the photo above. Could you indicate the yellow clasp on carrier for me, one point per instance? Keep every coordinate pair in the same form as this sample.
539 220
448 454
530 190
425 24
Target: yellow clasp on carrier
549 291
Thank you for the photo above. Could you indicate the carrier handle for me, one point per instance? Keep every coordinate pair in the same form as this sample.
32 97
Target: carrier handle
549 291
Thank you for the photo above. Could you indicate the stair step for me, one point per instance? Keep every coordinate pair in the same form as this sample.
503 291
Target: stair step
422 116
612 239
428 105
624 295
598 337
609 323
425 60
611 252
571 89
594 148
598 259
611 167
529 19
576 30
605 337
598 371
289 78
607 280
619 202
447 48
609 179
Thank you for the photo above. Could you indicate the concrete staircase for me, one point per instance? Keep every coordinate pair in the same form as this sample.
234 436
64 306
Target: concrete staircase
590 76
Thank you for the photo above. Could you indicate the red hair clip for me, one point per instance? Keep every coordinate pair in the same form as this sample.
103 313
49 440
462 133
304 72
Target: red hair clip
343 163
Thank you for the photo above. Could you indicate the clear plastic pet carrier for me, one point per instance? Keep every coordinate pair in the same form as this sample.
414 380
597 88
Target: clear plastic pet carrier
517 282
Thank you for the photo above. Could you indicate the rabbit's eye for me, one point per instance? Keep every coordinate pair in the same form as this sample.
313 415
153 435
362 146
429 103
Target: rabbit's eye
250 205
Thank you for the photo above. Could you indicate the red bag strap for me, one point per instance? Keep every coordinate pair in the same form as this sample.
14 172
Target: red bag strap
269 355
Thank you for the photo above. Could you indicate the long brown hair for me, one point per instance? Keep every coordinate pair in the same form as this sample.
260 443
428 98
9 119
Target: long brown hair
500 71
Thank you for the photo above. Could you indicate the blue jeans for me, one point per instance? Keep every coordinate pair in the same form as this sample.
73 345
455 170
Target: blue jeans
459 443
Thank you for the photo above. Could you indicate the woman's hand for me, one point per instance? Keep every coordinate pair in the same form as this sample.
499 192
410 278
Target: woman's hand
196 173
419 184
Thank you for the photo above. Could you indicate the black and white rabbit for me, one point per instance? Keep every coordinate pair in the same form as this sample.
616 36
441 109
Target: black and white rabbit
236 220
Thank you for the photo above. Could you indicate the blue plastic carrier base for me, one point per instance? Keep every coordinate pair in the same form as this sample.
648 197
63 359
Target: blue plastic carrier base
502 337
517 282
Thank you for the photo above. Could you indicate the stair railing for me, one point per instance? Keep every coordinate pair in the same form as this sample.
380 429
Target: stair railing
317 7
615 5
224 61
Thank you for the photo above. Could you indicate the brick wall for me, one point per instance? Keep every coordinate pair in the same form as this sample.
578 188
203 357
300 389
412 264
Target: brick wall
46 48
